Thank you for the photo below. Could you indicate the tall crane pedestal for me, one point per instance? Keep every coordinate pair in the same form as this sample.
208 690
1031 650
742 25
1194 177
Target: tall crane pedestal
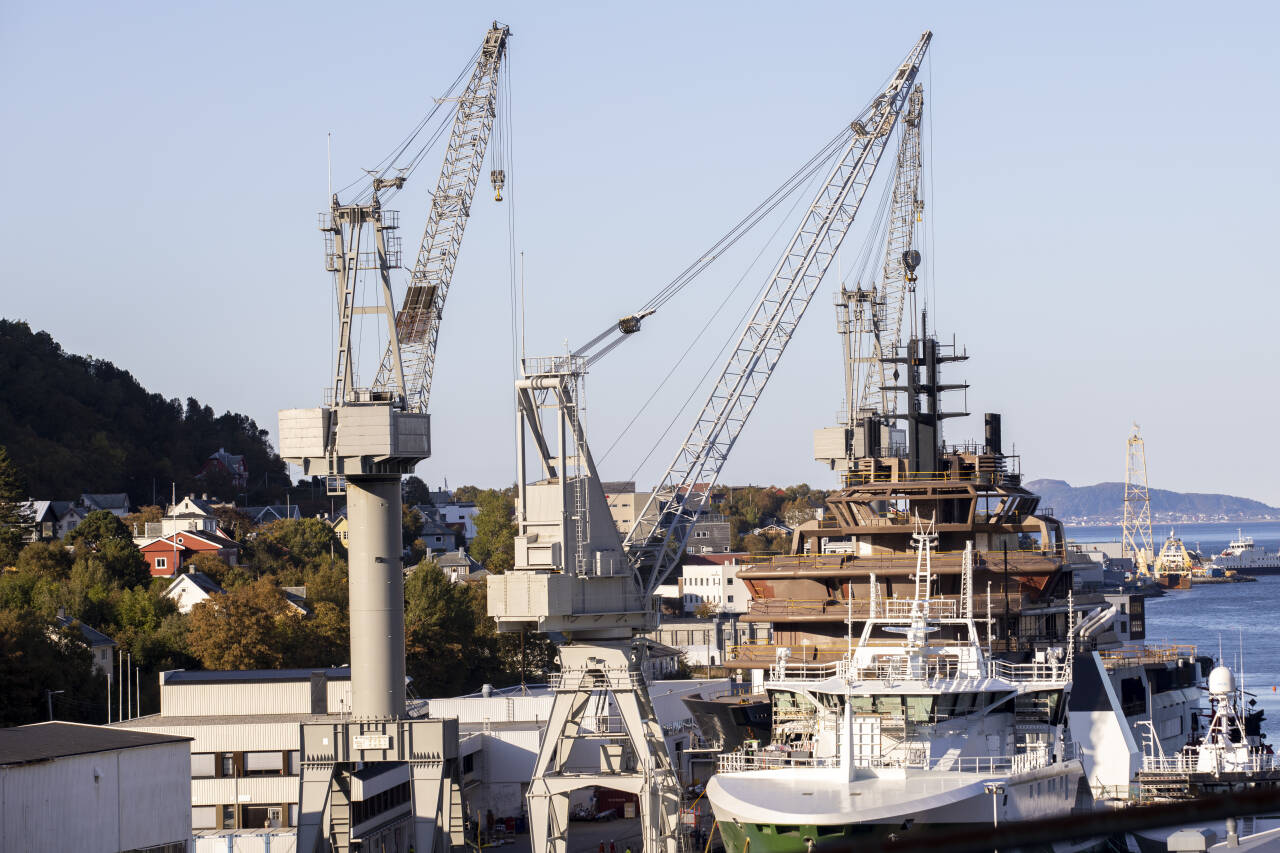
635 760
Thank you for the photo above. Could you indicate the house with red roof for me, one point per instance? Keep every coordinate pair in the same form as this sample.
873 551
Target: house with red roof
167 556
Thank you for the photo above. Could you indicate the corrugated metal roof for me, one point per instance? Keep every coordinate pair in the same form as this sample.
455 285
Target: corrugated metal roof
45 741
180 676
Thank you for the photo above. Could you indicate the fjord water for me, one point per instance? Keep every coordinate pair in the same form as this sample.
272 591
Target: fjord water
1221 615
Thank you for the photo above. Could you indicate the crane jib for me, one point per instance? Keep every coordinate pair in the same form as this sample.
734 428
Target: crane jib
671 511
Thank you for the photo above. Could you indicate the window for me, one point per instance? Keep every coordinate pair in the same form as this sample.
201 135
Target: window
228 764
228 817
204 817
203 765
162 563
263 764
731 599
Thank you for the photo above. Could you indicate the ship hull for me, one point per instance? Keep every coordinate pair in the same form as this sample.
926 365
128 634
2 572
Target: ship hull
789 811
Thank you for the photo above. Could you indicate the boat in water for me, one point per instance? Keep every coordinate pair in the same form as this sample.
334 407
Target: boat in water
1242 556
916 726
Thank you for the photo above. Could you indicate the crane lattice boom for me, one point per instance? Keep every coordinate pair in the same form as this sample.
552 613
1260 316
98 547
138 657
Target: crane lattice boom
886 311
674 506
418 320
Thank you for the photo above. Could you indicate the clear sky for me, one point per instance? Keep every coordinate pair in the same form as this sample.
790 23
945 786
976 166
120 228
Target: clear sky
1101 199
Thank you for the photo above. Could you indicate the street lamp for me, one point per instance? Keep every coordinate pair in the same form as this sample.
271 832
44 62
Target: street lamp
48 697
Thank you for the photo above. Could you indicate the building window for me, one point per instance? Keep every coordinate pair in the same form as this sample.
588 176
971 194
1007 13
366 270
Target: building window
228 764
162 563
263 764
203 765
228 817
731 599
204 817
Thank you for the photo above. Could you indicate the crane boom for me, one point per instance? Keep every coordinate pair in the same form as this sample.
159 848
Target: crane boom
418 320
673 507
885 314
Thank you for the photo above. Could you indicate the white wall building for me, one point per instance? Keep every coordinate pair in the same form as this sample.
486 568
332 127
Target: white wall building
712 579
68 786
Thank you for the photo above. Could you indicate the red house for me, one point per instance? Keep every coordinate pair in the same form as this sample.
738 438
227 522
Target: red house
167 556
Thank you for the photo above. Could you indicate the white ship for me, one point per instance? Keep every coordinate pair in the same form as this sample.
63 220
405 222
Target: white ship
1242 556
916 726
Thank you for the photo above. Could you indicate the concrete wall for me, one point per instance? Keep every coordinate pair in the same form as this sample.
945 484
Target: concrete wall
104 801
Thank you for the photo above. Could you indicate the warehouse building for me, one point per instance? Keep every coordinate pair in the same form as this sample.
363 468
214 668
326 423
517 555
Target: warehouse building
93 789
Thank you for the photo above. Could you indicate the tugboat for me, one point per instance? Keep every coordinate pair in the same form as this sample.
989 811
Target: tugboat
915 726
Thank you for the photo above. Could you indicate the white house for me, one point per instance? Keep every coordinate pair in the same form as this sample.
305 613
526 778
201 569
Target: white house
712 579
190 589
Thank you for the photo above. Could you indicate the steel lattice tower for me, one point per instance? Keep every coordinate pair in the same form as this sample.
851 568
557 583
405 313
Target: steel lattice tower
1136 541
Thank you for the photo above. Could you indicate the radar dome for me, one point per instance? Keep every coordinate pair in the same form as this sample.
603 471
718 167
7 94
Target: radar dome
1221 681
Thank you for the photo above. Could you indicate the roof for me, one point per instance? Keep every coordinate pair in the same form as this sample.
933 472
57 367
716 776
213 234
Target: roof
46 741
431 527
228 676
115 500
204 536
91 636
719 559
200 579
458 559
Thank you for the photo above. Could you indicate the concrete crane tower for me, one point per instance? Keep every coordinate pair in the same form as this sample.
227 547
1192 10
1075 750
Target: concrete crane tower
363 440
576 578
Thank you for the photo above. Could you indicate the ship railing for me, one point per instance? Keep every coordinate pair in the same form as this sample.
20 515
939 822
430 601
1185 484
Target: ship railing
1139 655
1027 671
913 759
1257 762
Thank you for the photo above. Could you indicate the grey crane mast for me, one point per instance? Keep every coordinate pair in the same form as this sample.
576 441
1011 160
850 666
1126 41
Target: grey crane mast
364 439
575 577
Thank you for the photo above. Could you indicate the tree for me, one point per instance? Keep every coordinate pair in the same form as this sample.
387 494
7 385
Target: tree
233 522
414 491
293 543
494 544
446 650
410 525
15 516
223 574
102 539
705 610
467 494
46 559
248 628
35 657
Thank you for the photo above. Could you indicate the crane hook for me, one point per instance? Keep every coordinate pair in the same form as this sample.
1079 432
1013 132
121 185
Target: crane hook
498 177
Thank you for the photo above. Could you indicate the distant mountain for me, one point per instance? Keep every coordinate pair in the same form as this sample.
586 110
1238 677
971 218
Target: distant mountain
1103 503
77 424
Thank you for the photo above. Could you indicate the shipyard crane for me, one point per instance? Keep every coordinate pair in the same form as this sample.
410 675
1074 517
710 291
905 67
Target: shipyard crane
364 440
576 577
417 326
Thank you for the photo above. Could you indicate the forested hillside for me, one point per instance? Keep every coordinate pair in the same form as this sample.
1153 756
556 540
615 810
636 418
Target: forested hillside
78 424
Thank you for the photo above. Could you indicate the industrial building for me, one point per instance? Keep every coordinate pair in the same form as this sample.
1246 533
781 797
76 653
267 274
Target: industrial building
245 773
93 789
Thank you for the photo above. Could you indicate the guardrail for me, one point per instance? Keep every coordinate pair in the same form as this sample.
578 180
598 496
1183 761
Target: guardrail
1256 763
738 762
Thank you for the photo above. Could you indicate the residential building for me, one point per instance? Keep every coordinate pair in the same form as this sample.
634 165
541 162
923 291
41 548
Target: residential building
53 519
99 644
268 514
713 534
459 566
93 789
710 642
189 514
625 503
167 556
229 464
712 580
436 536
116 503
190 589
459 516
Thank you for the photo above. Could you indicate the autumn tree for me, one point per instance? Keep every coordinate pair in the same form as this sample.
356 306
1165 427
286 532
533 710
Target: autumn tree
293 543
247 628
447 651
46 559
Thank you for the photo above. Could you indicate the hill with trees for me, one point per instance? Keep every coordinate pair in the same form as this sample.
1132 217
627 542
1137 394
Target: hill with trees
77 424
1103 503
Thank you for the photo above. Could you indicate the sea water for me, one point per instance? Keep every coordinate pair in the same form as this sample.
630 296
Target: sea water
1236 623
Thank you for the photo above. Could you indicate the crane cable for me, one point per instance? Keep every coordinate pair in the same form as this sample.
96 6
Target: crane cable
707 325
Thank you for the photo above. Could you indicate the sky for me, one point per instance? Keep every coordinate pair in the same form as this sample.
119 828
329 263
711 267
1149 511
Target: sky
1101 182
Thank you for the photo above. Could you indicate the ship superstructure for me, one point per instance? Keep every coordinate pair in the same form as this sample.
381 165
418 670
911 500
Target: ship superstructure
915 725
